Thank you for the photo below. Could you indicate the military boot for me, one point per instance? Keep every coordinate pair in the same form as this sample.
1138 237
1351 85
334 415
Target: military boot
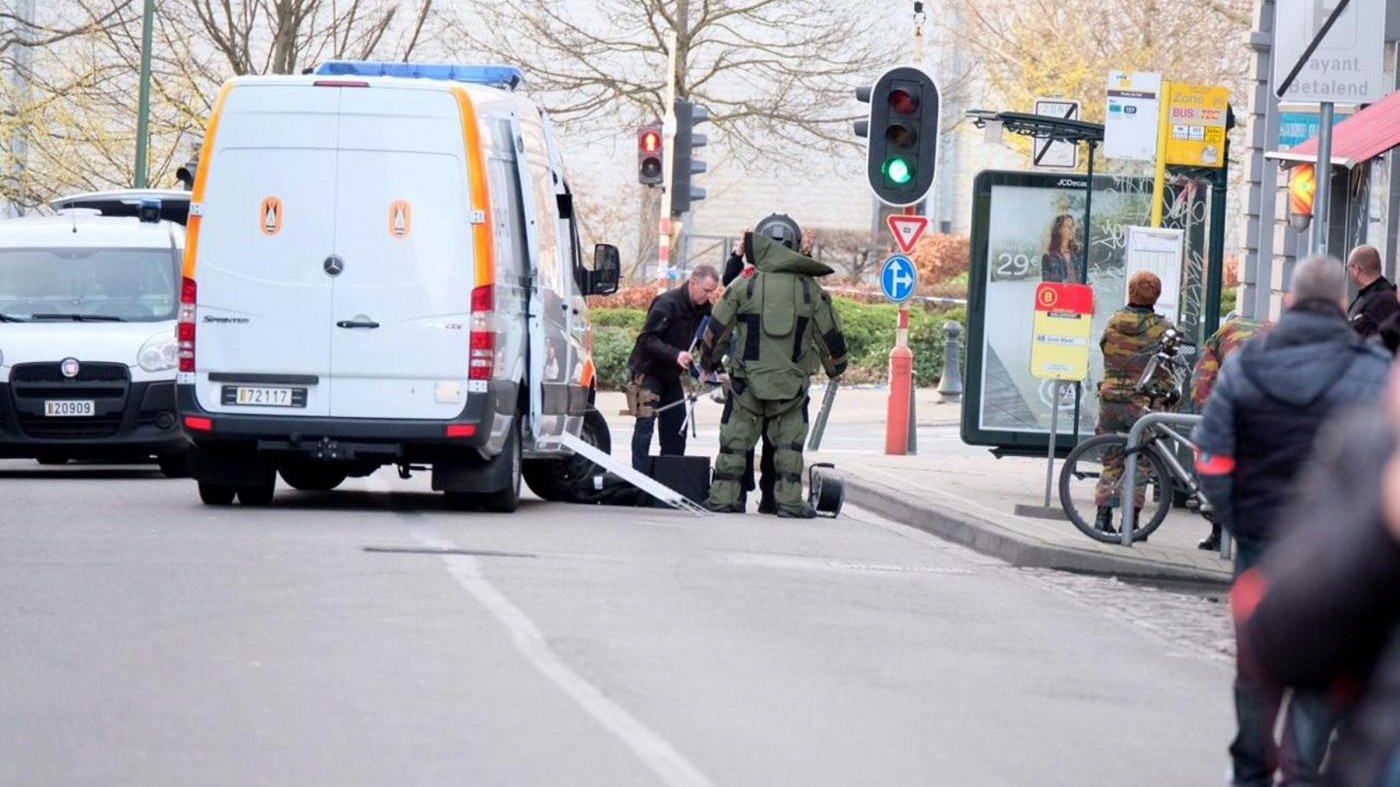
803 512
767 505
723 508
1104 521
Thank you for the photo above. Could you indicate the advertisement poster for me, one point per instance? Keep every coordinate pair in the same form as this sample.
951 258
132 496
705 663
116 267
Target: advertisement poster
1028 229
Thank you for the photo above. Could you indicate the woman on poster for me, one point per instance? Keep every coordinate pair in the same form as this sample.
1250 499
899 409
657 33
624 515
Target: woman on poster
1060 263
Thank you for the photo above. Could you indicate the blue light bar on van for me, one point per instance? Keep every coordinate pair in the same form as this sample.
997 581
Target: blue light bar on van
508 77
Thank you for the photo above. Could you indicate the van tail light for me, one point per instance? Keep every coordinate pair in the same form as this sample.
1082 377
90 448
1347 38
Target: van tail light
481 363
185 330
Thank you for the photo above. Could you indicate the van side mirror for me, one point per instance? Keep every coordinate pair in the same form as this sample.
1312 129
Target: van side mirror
607 270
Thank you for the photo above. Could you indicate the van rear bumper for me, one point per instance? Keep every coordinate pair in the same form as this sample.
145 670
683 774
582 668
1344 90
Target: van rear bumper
345 438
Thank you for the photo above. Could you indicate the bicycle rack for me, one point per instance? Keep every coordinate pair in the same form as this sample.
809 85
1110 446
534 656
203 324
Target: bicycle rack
1130 469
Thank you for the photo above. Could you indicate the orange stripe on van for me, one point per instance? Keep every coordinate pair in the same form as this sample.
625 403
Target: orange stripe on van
201 177
589 372
483 232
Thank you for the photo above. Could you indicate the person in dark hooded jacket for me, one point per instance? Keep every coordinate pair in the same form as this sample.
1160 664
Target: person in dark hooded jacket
1269 403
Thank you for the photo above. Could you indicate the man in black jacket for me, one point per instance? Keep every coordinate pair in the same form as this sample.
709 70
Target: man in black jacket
659 358
1269 403
1375 296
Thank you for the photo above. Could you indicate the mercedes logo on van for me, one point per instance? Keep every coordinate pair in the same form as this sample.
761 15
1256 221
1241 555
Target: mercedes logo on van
333 265
69 367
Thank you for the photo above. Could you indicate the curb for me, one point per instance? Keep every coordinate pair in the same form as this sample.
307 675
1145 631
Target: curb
990 539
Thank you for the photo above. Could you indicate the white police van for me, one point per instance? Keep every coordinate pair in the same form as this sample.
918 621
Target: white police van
88 302
384 268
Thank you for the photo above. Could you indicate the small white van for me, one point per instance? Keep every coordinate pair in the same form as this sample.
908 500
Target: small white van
384 268
88 304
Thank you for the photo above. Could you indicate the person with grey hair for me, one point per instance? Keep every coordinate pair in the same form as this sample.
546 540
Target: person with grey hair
661 354
1270 401
1375 302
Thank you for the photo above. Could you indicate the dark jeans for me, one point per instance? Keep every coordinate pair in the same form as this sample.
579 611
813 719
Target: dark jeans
1307 727
672 437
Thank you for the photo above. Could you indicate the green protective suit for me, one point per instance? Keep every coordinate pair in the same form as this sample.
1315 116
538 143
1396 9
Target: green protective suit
778 317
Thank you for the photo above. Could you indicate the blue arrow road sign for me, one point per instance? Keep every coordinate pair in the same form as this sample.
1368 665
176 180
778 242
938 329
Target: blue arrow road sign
898 278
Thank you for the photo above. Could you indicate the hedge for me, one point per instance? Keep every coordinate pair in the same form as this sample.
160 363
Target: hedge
869 329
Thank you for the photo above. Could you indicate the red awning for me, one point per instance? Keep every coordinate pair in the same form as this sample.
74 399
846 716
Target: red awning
1368 133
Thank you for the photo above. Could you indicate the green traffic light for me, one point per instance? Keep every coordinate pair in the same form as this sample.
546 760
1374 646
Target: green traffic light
898 171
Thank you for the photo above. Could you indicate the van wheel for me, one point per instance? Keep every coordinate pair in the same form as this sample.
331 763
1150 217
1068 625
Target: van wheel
507 500
503 501
259 494
175 465
310 478
567 480
215 494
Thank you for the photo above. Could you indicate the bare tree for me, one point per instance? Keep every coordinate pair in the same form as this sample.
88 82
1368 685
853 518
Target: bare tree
81 103
771 72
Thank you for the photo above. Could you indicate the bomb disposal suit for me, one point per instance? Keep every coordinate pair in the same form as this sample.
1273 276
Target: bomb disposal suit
778 315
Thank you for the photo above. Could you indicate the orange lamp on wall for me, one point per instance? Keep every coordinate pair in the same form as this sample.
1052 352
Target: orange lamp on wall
1302 185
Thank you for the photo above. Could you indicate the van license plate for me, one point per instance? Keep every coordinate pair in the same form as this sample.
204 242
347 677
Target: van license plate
267 397
69 409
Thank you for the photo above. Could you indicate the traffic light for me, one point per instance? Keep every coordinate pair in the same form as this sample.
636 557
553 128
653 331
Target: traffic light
684 164
903 134
649 154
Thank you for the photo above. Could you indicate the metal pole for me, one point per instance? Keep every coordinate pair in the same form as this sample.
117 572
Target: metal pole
1323 198
19 139
1054 434
1159 180
1084 267
143 108
1215 276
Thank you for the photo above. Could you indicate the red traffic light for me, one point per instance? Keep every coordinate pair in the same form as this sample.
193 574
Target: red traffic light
649 143
903 102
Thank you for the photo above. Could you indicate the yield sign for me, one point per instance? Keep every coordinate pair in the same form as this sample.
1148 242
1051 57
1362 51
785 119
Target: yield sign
907 230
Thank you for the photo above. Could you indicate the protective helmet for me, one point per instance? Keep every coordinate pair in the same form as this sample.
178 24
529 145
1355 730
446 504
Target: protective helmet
781 228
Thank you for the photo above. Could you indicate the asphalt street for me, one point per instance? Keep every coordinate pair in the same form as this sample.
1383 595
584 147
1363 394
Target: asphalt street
369 637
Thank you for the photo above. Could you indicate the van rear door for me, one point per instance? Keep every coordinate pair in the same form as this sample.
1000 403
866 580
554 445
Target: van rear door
401 304
267 227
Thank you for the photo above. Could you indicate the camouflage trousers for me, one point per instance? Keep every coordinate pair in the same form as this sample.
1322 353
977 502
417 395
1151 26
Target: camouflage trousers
1119 416
745 419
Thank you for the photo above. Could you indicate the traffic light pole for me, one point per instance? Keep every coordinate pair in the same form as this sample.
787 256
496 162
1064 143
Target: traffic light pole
900 429
668 136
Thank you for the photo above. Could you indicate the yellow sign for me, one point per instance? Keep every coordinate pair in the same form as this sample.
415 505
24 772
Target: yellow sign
1195 125
1064 324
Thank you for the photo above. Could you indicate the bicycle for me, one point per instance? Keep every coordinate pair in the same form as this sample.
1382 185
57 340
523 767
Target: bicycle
1160 473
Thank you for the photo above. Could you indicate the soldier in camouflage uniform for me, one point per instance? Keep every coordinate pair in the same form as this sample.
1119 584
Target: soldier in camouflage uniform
1131 337
1216 349
779 316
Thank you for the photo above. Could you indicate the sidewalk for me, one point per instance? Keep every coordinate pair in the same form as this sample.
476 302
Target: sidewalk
964 495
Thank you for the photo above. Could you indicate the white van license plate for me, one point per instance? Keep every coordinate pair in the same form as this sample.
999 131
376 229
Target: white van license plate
69 409
268 397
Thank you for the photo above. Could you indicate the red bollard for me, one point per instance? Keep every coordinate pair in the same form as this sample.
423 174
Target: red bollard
897 413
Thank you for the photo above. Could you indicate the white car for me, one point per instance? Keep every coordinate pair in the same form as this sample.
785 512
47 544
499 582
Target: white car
88 352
